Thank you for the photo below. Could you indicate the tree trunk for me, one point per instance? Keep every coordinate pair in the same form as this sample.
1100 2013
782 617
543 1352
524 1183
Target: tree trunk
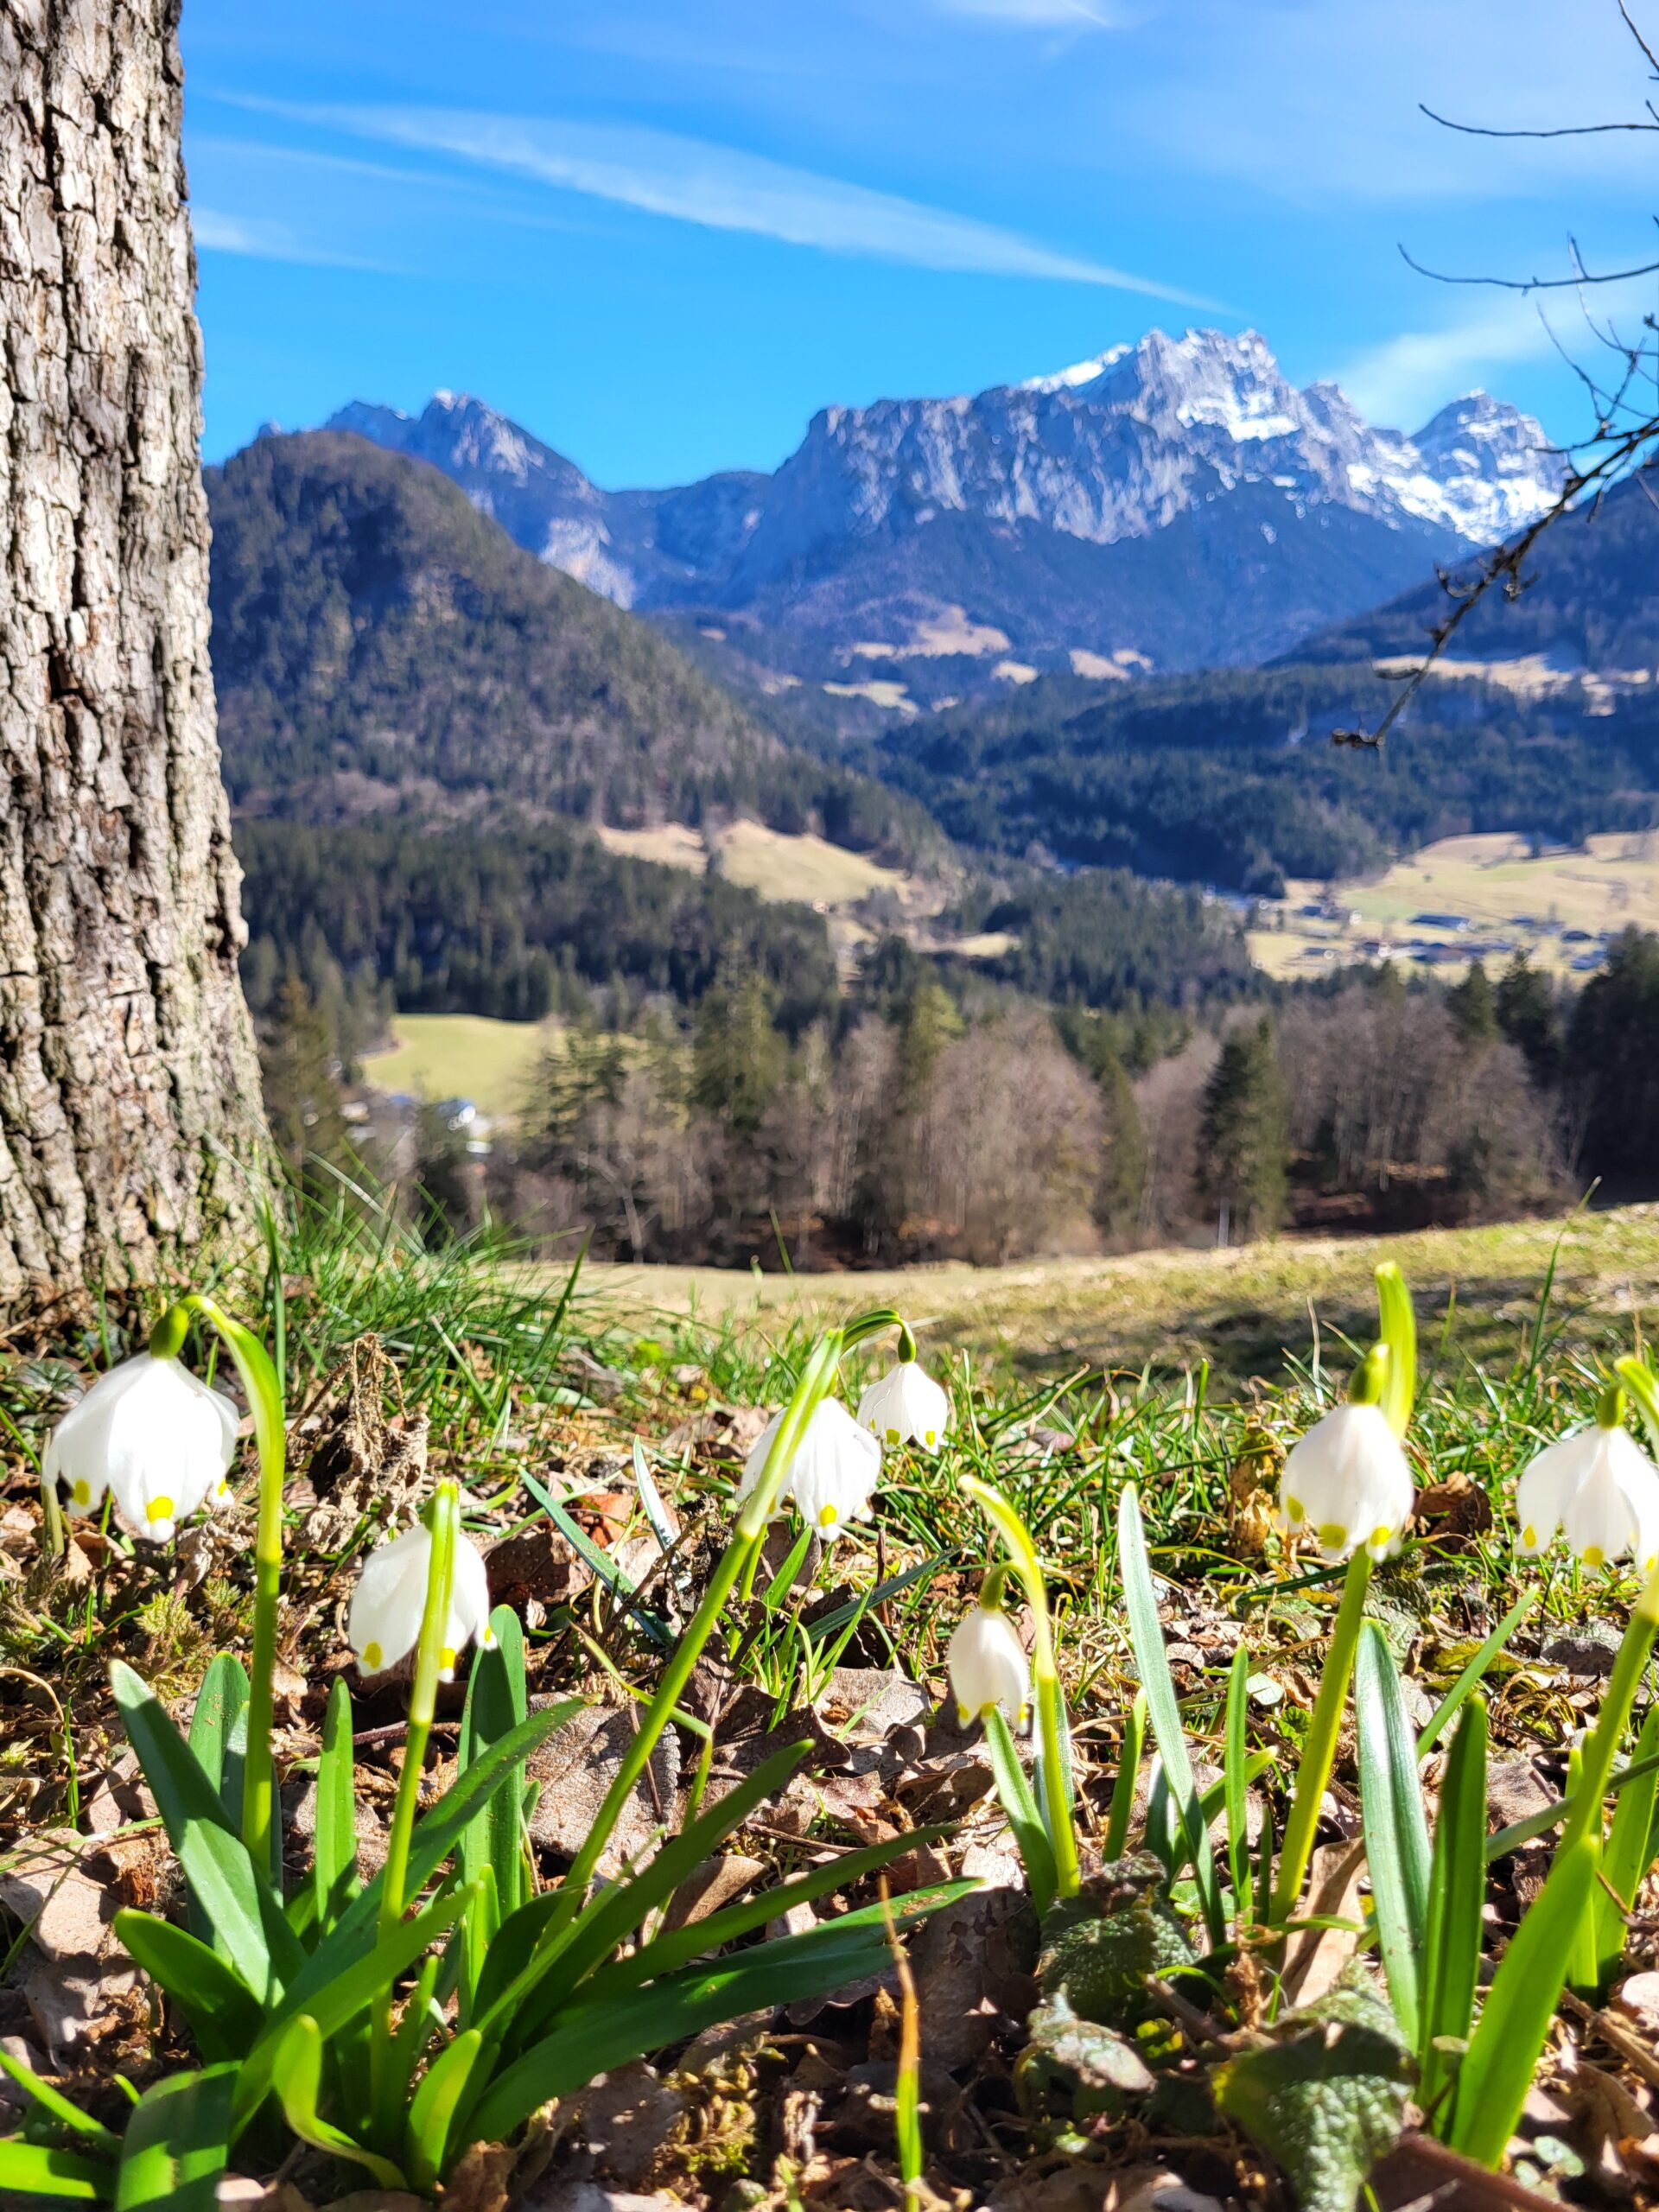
129 1087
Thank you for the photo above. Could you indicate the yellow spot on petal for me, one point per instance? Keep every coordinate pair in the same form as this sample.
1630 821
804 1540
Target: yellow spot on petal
1380 1536
1529 1537
159 1509
82 1492
891 1435
1593 1556
1293 1510
930 1438
826 1516
372 1658
1333 1536
447 1660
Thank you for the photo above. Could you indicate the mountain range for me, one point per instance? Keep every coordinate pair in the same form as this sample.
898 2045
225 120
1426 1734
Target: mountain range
1171 505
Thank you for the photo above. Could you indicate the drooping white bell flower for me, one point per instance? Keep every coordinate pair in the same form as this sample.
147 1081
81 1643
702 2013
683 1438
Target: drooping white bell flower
384 1624
988 1665
1347 1483
1599 1488
836 1468
152 1435
905 1406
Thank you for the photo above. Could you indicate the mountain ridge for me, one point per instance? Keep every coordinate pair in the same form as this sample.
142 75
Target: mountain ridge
894 524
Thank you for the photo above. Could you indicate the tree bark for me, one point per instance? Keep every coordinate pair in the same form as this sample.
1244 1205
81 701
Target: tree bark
129 1086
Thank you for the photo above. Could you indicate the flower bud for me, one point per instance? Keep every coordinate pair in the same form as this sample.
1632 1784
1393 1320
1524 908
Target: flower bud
988 1665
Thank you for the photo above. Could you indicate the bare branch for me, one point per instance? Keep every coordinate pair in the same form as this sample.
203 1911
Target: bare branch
1560 130
1629 25
1532 283
1503 565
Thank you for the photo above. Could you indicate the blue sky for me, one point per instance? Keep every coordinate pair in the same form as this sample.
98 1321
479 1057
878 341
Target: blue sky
660 233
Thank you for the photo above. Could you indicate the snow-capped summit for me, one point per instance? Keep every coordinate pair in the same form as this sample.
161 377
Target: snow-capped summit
1178 499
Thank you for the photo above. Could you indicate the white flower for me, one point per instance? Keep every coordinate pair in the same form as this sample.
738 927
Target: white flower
1347 1483
835 1467
906 1406
988 1665
1599 1487
384 1623
153 1435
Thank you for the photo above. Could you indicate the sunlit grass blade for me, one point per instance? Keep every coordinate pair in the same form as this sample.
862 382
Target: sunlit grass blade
224 2013
177 2144
40 2170
1473 1676
296 2076
601 2033
219 1728
1159 1688
666 1955
436 2102
1396 1827
1020 1806
1502 2055
1236 1787
1629 1854
1457 1891
93 2134
1120 1814
333 1870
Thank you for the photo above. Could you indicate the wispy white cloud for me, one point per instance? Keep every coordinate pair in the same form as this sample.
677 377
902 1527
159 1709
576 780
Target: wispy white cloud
258 237
1042 15
720 187
1406 379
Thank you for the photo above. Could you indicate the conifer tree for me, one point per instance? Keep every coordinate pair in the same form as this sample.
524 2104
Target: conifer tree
1246 1144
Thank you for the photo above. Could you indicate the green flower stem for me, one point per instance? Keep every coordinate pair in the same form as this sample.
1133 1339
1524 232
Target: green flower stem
270 1439
442 1518
1045 1681
816 1379
1588 1794
1320 1751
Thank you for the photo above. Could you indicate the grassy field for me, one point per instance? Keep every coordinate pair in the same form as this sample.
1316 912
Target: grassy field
762 860
462 1056
1241 1309
1510 900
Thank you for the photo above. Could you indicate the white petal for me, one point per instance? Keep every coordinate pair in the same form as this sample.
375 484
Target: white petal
905 1406
384 1623
1548 1484
1347 1483
834 1471
469 1599
754 1465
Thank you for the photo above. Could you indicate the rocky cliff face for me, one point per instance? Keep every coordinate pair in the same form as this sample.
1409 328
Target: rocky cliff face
1176 502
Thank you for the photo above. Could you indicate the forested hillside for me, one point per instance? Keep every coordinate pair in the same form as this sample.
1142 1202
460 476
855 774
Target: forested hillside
376 641
1229 777
1590 598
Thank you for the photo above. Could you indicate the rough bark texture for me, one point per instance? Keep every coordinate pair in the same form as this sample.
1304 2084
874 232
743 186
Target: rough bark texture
128 1081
